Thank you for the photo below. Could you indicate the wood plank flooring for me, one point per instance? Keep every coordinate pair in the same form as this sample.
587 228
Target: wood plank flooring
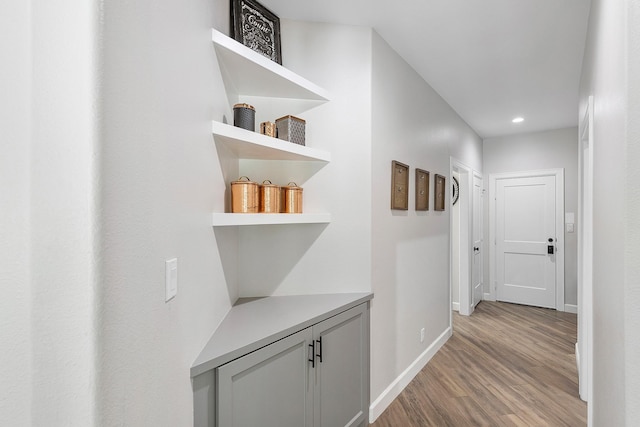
506 365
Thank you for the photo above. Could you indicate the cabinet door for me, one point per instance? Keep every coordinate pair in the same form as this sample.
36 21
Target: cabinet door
341 395
269 387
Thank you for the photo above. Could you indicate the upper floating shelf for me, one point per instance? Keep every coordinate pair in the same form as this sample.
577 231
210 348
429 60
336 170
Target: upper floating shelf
252 145
249 73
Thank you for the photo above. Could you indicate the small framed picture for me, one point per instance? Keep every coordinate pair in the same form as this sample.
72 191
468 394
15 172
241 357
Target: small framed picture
422 190
399 186
256 27
439 193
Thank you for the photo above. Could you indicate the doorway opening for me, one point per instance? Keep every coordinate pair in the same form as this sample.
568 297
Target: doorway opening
465 238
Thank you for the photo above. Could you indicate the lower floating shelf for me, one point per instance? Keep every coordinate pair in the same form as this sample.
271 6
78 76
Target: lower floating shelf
231 219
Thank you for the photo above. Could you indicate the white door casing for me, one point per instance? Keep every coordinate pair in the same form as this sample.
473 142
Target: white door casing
527 209
584 346
478 241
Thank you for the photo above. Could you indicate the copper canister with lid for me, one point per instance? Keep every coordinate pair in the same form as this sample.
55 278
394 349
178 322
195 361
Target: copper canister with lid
245 196
269 197
291 198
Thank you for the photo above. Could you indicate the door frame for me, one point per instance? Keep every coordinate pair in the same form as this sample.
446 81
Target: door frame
584 346
466 236
493 181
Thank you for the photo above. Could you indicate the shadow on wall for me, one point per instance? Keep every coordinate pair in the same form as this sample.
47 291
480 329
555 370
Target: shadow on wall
265 255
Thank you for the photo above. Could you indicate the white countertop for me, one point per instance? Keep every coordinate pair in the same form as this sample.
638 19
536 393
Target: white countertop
253 323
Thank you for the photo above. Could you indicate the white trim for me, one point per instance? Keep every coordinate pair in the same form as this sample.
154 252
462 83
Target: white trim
559 174
571 308
455 306
488 297
395 388
585 257
578 357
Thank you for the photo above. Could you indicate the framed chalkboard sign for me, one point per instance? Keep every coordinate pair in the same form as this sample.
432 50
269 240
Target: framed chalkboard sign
256 27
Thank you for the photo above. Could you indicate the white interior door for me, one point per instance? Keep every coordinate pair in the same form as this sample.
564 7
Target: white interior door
526 233
476 274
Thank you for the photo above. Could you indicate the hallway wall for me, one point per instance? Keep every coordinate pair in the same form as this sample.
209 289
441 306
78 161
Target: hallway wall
15 170
410 250
611 67
532 151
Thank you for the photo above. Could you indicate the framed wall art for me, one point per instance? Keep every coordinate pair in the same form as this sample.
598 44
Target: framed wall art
422 190
256 27
439 193
399 186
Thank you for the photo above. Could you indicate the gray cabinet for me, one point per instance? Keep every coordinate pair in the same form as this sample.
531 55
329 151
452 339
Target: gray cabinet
341 392
268 387
318 376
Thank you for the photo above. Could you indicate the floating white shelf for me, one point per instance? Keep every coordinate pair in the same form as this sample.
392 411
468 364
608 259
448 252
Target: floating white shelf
252 145
249 73
232 219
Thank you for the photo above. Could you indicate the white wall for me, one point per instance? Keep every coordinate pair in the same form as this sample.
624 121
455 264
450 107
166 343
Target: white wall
160 182
610 74
533 151
317 258
15 304
410 250
63 228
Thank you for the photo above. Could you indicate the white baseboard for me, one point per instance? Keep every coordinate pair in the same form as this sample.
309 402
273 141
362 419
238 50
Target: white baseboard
455 306
571 308
487 297
395 388
578 360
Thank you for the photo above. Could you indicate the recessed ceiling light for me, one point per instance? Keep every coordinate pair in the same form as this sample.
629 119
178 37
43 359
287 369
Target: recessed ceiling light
518 120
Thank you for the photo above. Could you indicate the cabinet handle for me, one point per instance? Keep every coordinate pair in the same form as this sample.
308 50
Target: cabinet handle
312 359
319 354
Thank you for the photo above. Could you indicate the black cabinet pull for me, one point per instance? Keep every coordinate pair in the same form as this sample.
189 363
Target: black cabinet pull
319 354
312 359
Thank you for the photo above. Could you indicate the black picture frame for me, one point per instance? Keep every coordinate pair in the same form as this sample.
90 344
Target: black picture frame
256 27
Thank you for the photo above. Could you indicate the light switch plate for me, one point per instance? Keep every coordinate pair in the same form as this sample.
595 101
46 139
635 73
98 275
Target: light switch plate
171 278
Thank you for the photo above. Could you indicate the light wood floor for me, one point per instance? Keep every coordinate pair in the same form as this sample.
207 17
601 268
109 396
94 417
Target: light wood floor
506 365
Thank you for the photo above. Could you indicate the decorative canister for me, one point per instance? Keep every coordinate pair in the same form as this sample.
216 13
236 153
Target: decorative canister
291 129
292 196
268 128
244 116
244 196
269 197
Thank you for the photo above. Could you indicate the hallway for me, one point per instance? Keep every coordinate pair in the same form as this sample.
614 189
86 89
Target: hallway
506 365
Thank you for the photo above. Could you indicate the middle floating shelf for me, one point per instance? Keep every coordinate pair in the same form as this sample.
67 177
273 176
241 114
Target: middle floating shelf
252 145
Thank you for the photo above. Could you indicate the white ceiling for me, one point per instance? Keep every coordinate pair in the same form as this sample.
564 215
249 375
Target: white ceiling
491 60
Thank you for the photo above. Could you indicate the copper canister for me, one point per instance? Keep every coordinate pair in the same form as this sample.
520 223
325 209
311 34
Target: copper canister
269 197
268 128
244 196
292 196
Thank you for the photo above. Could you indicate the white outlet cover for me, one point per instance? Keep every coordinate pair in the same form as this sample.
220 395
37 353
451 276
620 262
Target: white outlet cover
171 279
